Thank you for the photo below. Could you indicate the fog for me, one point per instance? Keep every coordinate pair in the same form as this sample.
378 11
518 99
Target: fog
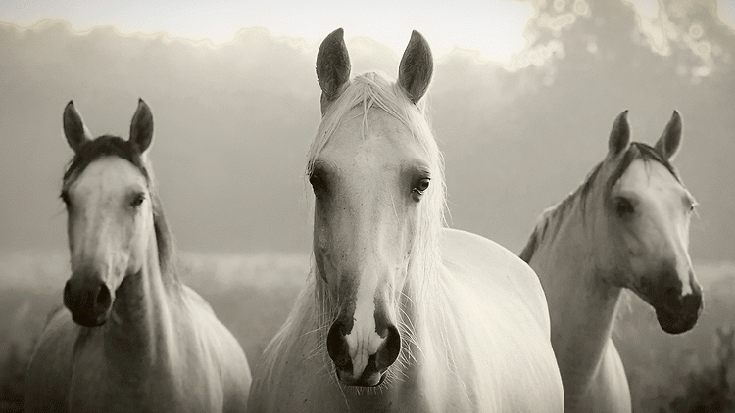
233 122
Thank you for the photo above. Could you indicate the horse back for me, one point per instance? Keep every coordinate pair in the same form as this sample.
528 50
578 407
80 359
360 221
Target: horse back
500 315
48 377
492 267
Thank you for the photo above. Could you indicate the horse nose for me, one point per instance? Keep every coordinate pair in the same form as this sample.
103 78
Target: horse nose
689 303
694 302
88 300
337 346
339 351
389 351
678 313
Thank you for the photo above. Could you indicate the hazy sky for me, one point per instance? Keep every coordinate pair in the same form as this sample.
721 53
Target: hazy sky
494 27
489 121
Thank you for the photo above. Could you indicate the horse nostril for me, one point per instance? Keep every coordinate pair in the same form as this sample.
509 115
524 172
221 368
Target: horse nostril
388 354
67 295
104 299
337 347
693 303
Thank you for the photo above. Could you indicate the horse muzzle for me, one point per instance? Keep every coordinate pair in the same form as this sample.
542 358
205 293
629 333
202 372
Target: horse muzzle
89 301
369 378
367 374
676 313
681 317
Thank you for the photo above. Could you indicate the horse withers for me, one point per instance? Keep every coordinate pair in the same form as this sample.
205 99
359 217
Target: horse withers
626 226
132 337
400 313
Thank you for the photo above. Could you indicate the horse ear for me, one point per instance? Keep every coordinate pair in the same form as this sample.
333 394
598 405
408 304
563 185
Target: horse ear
620 135
669 142
141 127
74 128
332 67
414 72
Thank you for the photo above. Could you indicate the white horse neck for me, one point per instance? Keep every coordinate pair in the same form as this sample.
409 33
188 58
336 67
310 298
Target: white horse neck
142 323
581 304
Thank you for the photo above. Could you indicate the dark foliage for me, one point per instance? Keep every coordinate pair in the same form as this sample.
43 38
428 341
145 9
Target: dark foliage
711 390
11 380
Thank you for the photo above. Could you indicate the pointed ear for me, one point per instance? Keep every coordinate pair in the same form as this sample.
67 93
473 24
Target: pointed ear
141 127
74 128
670 141
414 72
332 67
620 135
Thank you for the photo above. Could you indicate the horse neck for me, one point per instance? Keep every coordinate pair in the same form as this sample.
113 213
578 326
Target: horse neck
581 304
142 320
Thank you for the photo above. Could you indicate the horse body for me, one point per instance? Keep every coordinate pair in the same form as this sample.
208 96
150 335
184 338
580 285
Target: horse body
490 306
120 367
582 311
144 341
626 226
400 313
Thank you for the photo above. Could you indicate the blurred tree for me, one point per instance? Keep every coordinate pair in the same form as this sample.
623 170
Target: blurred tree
699 42
587 60
12 373
711 390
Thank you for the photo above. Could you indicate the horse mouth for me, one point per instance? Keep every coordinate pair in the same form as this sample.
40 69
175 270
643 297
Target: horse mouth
367 379
89 321
672 322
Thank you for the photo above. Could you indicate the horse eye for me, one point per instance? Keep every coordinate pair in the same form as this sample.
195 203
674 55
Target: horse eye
692 206
623 207
421 186
137 200
317 183
65 199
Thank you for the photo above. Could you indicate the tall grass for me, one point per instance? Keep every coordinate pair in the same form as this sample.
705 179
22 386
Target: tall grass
252 295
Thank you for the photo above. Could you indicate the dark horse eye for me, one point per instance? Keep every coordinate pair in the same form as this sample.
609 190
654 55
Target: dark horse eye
137 200
317 183
65 198
623 207
691 205
421 186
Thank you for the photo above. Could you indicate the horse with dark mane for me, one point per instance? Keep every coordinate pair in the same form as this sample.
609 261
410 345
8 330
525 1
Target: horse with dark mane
132 337
626 226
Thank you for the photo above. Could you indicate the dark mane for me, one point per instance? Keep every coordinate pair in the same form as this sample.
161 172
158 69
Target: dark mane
104 146
636 150
108 146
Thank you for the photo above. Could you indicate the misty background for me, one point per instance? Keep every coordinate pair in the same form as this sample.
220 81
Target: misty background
233 123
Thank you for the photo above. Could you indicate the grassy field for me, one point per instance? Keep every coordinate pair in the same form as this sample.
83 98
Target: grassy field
252 295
